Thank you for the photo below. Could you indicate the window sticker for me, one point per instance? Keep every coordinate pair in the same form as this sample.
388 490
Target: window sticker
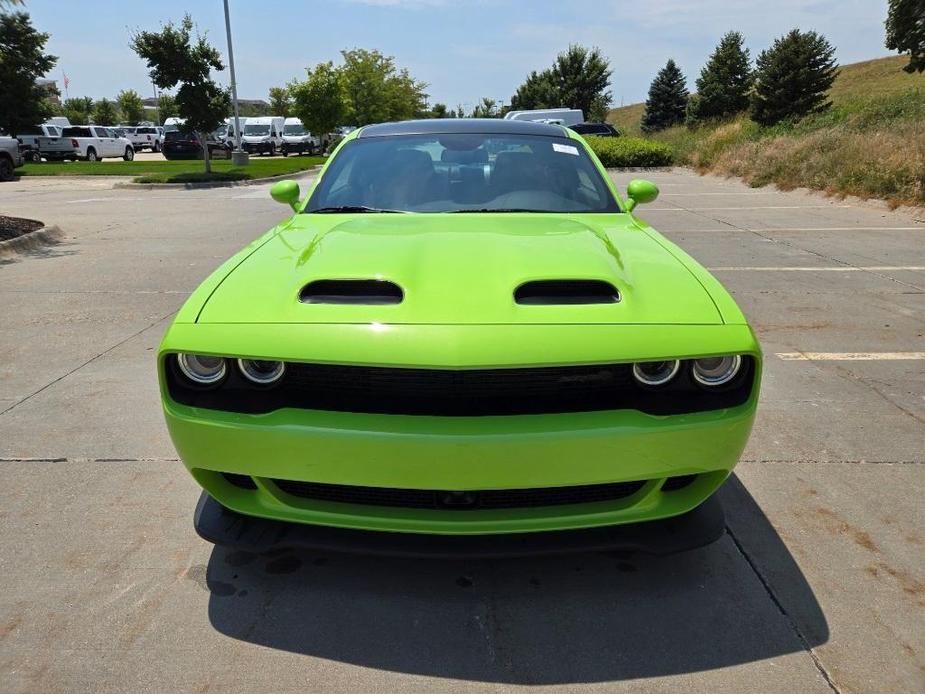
565 149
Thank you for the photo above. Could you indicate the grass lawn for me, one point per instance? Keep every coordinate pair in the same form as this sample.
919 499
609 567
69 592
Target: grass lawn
871 143
172 171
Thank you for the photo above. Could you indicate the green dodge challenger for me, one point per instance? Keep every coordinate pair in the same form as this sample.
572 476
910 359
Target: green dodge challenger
463 342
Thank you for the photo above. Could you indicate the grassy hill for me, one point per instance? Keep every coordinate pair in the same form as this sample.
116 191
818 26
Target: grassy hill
871 142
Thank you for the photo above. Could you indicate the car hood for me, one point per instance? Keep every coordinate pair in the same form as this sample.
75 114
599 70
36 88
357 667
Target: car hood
461 269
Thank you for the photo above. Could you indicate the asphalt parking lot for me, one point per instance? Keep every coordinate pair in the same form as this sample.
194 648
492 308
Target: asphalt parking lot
818 585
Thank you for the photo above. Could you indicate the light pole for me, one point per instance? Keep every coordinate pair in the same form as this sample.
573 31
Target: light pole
238 158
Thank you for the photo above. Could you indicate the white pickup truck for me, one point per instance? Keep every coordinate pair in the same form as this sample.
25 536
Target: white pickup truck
146 137
94 142
45 142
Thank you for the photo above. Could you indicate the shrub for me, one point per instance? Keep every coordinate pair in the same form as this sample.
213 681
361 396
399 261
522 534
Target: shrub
618 152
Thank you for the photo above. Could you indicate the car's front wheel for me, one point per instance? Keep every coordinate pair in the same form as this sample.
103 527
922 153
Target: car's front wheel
92 155
129 154
157 146
272 149
35 157
6 169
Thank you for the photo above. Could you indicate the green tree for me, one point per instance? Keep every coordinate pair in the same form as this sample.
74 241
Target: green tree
538 91
581 76
280 101
486 108
166 107
105 112
131 106
439 110
460 112
725 81
667 102
320 102
22 62
793 77
905 31
175 58
78 109
377 91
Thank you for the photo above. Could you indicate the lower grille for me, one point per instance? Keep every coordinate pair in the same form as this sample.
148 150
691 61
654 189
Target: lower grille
459 500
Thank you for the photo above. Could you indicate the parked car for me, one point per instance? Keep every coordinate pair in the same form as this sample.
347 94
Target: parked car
596 129
45 141
181 144
296 139
263 135
146 137
539 370
95 142
560 116
228 132
10 157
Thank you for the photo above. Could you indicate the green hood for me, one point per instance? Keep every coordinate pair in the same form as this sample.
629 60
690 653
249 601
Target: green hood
461 269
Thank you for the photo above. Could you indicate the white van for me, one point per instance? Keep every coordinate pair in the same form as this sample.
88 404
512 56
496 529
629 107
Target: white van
263 135
297 139
228 136
557 116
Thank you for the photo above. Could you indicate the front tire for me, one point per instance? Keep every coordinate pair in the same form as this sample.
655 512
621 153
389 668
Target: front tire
35 157
157 146
92 155
6 169
272 149
129 154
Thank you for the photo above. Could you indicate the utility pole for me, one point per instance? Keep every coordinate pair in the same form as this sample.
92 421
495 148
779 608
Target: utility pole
238 158
157 106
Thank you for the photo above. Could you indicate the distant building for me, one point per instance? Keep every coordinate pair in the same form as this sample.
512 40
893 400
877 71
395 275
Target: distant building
51 89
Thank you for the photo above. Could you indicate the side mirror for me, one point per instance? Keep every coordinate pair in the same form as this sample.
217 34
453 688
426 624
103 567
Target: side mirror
640 192
286 192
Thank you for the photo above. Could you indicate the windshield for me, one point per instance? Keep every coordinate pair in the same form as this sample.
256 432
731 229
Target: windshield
256 129
294 129
462 173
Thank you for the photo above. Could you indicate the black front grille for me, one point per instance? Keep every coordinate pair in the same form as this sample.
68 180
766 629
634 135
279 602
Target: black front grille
467 392
459 500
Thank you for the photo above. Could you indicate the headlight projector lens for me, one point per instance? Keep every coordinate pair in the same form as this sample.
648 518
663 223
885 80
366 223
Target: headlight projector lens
261 371
201 369
655 373
715 371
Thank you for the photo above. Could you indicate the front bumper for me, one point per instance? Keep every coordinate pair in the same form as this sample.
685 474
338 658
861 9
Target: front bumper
465 453
222 526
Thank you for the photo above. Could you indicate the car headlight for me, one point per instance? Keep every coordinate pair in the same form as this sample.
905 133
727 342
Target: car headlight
656 373
715 371
261 371
201 368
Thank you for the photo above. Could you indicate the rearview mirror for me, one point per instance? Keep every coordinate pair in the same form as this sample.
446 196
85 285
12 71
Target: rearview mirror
639 192
286 192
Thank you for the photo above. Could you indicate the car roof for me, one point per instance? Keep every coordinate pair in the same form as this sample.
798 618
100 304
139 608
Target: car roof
457 126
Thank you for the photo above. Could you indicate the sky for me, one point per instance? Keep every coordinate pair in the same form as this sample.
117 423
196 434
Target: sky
464 49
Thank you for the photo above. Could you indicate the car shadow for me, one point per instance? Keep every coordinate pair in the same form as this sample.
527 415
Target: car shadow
550 620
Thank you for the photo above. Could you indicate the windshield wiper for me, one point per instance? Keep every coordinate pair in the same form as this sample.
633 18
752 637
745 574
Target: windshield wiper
497 209
353 209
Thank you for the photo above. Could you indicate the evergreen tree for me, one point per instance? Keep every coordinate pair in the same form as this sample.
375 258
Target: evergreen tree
486 108
105 112
22 61
667 102
724 82
905 31
577 79
793 77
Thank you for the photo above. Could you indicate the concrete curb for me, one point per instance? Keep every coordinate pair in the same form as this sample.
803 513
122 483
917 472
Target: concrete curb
217 184
31 241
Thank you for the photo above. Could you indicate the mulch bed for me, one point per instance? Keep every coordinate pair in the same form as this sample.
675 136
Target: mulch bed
11 227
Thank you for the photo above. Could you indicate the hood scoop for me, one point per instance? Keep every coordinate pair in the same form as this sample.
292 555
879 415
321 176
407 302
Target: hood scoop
360 292
566 292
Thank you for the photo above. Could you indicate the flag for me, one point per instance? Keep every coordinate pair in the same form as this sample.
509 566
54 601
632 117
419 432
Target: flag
67 82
